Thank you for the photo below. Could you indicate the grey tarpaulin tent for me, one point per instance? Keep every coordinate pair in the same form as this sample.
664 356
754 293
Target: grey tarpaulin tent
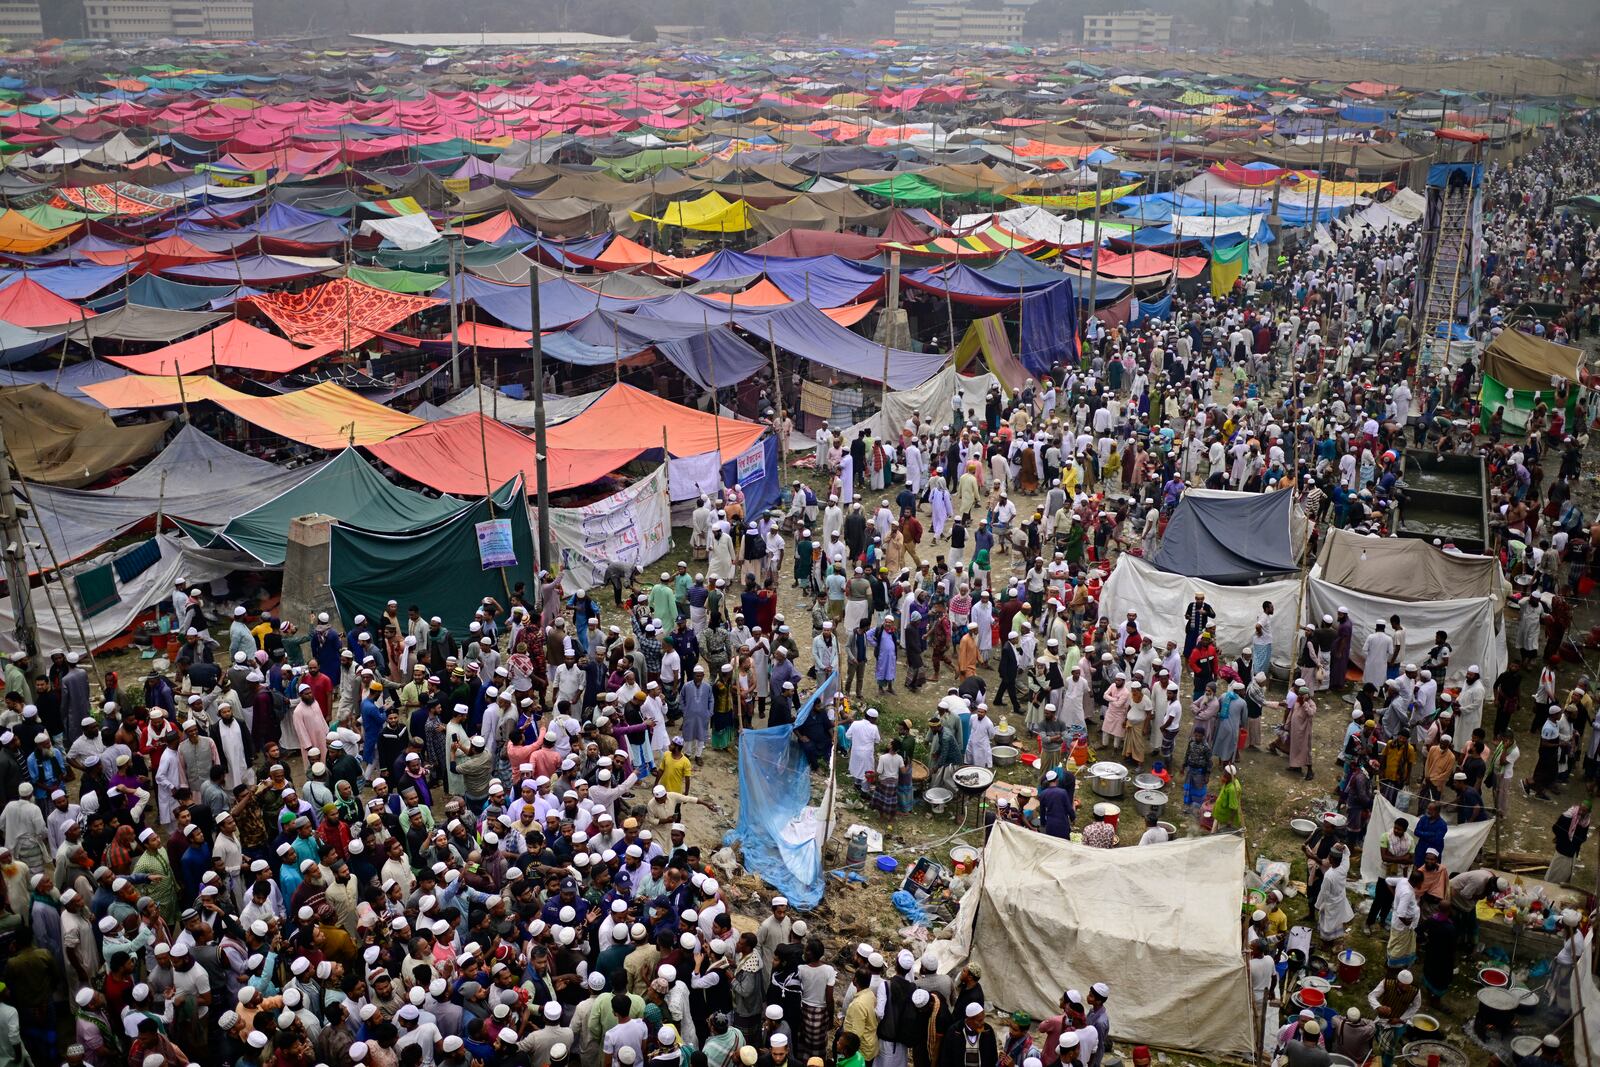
1230 539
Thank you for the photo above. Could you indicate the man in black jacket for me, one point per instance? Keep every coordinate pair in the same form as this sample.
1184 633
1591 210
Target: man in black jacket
969 1043
1010 665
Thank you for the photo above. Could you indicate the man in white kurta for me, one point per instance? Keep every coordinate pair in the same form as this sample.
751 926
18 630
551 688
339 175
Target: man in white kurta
915 471
1469 703
980 738
1378 647
863 737
170 778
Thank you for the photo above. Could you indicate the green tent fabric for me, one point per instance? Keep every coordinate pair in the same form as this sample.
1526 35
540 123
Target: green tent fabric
97 590
1518 403
914 190
436 257
349 489
438 566
640 165
397 281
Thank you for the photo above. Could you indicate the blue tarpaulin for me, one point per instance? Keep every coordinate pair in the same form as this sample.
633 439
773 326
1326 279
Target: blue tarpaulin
1152 309
1440 174
781 846
1049 330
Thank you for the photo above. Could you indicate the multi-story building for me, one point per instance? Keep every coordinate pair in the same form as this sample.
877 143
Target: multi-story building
1127 29
20 20
941 20
125 20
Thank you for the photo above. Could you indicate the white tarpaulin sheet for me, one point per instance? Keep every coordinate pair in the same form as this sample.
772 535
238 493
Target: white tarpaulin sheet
1214 226
1474 626
1585 999
691 476
195 478
1168 915
1160 599
404 231
513 412
1461 843
53 615
632 526
931 400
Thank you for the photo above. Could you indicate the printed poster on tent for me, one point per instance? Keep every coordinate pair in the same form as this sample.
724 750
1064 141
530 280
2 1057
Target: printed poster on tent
751 464
632 526
495 547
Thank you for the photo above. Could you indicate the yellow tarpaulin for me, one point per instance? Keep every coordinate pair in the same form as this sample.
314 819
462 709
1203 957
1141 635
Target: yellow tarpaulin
1076 201
988 336
323 416
18 233
712 212
1345 189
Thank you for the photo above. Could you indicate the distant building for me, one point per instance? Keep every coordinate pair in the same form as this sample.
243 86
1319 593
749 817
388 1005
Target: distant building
127 20
20 21
1127 29
682 34
940 20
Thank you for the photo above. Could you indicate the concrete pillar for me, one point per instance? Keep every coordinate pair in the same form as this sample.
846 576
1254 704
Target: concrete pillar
305 569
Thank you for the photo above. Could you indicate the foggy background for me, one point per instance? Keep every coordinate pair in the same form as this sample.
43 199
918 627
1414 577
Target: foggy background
1563 27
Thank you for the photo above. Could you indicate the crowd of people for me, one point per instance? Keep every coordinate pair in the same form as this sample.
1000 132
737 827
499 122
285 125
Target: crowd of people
397 845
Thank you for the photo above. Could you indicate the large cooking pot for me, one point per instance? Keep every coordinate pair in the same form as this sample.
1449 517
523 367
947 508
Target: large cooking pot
1108 779
1497 1010
1149 802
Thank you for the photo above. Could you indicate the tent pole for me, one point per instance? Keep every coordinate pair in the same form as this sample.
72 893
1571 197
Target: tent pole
541 461
777 391
61 578
26 629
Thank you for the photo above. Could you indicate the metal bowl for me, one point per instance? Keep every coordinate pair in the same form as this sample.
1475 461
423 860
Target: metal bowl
937 798
1303 827
1148 781
973 781
1004 756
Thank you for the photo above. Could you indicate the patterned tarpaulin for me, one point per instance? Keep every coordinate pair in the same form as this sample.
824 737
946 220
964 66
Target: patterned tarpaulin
335 311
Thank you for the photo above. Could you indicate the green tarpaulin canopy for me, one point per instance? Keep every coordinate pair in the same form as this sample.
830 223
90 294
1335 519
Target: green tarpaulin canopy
347 489
1518 403
438 566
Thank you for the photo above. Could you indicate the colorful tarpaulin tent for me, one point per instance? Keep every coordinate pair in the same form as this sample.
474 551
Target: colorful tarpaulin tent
324 416
27 303
629 418
712 213
988 337
346 488
448 455
342 312
18 233
440 565
135 322
234 344
195 478
1227 263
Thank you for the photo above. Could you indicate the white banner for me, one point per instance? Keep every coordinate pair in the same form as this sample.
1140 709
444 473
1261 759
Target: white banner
633 526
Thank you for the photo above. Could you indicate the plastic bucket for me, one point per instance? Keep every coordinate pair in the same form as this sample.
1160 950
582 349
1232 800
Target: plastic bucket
1113 813
1350 963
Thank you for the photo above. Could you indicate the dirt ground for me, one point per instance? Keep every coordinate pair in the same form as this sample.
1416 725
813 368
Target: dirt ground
859 909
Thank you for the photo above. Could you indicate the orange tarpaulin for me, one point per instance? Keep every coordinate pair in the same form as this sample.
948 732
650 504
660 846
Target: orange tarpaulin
18 233
629 418
323 416
234 344
448 455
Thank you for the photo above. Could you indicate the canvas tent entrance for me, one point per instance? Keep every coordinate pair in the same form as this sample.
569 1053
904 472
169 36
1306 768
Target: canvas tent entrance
1474 622
933 402
1160 598
1174 933
1231 538
1520 372
988 337
1407 568
440 565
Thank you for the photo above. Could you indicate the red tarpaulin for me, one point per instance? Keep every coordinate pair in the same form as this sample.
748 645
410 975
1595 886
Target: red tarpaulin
338 311
235 344
27 303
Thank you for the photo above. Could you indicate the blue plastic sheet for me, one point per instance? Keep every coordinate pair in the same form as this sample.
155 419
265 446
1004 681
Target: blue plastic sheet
1152 309
774 788
1049 332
